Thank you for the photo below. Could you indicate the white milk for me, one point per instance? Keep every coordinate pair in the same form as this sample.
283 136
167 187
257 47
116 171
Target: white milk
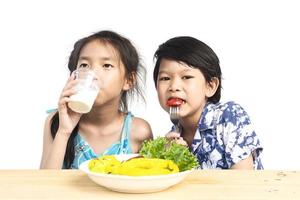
87 91
83 101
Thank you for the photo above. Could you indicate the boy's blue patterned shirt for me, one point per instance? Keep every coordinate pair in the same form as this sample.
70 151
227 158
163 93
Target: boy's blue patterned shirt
224 137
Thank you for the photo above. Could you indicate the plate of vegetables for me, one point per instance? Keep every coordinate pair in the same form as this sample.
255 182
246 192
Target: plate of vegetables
159 165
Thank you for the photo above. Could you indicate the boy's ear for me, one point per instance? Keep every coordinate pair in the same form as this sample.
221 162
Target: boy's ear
212 87
129 81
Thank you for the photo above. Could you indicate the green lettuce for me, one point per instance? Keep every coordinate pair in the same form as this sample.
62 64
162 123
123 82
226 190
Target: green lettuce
169 150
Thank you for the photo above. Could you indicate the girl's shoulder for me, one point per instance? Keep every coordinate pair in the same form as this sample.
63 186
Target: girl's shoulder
140 129
47 127
50 116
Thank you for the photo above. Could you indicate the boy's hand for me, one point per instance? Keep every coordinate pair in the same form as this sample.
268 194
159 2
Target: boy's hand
176 137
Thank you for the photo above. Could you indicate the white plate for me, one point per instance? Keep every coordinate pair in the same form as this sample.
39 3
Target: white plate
133 184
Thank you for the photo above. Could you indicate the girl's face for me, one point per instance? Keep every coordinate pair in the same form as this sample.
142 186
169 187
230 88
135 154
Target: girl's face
178 80
104 60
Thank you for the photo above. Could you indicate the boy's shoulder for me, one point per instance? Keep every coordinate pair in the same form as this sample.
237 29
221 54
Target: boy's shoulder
224 108
223 112
221 106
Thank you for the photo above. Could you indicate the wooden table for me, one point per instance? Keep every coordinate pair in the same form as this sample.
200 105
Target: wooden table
207 184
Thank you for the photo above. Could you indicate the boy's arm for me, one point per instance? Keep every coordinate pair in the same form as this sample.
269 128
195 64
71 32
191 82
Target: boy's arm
244 164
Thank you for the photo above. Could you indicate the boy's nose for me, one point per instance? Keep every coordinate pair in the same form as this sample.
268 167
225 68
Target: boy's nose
174 86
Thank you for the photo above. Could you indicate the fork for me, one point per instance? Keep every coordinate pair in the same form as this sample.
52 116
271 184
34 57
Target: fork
174 116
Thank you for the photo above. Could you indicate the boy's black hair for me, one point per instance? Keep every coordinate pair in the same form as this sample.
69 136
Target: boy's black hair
195 54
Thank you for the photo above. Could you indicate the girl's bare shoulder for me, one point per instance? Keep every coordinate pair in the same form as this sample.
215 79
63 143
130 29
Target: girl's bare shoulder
48 121
140 129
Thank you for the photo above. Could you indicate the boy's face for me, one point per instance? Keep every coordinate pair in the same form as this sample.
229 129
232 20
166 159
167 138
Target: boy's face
178 80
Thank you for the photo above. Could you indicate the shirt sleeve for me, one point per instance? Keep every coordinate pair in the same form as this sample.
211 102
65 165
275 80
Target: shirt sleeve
240 138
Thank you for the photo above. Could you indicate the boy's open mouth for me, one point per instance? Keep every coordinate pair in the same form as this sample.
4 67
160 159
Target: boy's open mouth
175 101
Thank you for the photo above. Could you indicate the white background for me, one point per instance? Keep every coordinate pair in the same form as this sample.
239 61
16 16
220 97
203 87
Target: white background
258 44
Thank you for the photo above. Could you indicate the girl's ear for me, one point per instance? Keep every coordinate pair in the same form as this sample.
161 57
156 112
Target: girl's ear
129 81
212 87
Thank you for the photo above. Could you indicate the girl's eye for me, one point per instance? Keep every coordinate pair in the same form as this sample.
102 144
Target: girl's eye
187 77
84 66
164 78
107 66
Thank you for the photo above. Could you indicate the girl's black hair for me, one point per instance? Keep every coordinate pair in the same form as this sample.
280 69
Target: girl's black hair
195 54
134 72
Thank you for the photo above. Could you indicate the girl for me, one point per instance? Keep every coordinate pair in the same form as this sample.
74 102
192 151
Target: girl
187 73
71 138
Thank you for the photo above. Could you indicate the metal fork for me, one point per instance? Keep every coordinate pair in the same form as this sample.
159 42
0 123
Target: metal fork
174 116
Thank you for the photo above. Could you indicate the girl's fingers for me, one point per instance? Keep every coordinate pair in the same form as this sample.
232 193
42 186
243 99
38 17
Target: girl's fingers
71 80
68 93
69 89
70 84
63 102
71 77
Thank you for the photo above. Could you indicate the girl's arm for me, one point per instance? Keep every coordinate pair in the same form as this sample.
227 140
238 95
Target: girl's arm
53 149
140 131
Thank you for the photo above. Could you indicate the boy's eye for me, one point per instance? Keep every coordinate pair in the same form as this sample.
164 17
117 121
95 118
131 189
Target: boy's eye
164 78
187 77
83 66
108 66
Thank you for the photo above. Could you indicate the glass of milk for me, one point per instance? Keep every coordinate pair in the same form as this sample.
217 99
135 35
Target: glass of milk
87 91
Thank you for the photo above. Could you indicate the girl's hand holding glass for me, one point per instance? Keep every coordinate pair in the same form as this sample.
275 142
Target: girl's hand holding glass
68 119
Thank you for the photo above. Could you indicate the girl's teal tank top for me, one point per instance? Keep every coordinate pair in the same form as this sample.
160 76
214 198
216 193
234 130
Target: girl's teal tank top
84 152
